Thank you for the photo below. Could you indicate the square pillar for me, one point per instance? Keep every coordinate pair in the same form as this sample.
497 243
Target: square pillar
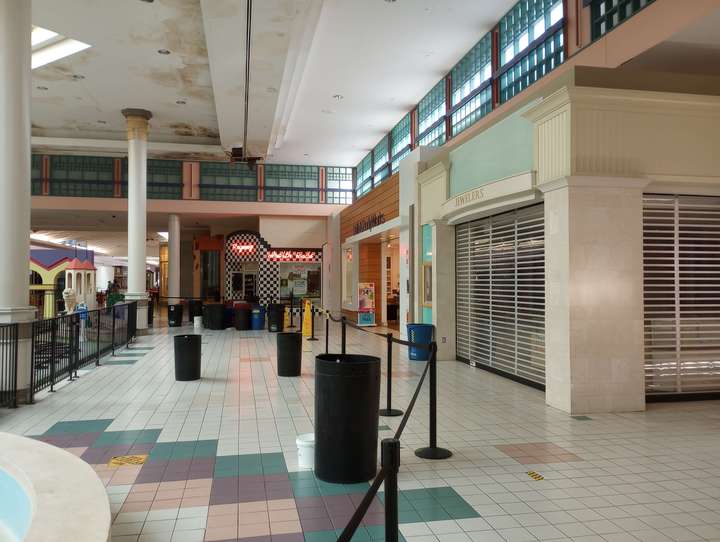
443 288
594 294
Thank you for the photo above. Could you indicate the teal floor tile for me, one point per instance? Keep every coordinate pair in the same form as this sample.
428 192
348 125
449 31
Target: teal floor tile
306 492
409 516
361 535
321 536
84 426
119 362
463 511
436 514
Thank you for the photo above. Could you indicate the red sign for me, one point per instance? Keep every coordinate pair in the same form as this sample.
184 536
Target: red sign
242 249
292 255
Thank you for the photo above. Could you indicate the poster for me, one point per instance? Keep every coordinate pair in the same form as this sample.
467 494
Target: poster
366 304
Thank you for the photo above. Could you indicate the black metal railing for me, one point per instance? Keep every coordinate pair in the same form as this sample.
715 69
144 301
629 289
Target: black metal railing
62 345
390 447
8 365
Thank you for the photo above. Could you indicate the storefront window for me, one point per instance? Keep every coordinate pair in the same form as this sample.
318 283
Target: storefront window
348 277
302 279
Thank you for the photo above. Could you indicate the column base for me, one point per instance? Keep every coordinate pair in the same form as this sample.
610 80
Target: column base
143 300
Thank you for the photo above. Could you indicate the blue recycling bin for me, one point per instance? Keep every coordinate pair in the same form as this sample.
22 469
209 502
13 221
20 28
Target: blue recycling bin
257 318
423 334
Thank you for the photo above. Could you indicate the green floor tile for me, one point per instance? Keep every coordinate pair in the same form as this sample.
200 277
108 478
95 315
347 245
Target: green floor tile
306 492
361 535
441 491
205 448
161 451
409 516
119 362
84 426
437 514
426 504
302 475
462 511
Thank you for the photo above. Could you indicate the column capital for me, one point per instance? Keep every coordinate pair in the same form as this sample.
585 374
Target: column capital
137 122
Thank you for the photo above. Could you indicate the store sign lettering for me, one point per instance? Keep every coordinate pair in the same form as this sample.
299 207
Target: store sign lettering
368 223
242 249
292 255
469 197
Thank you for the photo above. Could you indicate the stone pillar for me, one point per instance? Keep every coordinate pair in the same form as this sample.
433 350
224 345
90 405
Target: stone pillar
594 294
137 128
15 26
173 259
443 288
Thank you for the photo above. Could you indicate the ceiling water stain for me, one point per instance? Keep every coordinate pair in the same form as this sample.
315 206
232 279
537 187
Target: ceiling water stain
185 129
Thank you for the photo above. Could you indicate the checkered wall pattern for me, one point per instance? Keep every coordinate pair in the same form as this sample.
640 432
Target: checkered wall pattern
268 272
268 287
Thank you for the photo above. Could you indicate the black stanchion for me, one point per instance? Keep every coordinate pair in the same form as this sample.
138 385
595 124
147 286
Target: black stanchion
390 460
53 342
389 411
327 333
433 451
113 330
292 309
97 349
343 335
312 324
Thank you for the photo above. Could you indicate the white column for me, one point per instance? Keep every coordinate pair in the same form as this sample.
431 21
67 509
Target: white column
443 288
173 259
15 25
594 294
137 127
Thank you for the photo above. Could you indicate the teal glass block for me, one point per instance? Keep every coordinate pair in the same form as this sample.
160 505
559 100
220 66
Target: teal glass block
82 176
223 181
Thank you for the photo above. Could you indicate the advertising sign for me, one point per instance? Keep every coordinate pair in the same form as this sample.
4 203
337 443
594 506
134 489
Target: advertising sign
366 304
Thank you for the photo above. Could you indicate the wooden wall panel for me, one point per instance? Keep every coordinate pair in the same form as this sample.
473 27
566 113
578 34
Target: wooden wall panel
370 261
384 199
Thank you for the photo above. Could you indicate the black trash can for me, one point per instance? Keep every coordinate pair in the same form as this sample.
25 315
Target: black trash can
242 317
195 306
187 357
289 354
175 315
213 314
276 317
347 401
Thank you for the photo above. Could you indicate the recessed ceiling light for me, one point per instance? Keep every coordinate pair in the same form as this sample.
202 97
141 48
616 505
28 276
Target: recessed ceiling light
306 154
327 111
102 122
338 97
41 88
180 102
163 52
78 77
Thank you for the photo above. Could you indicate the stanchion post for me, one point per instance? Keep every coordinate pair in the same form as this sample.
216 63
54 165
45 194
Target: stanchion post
312 324
292 309
327 333
97 350
432 451
302 317
113 330
53 341
390 460
389 411
343 335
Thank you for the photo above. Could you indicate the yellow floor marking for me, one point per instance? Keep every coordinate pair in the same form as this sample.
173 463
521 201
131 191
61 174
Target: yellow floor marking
123 460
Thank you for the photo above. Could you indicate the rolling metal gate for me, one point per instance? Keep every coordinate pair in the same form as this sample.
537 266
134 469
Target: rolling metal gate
681 254
500 296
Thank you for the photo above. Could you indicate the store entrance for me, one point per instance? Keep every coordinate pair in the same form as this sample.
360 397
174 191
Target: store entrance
391 290
244 283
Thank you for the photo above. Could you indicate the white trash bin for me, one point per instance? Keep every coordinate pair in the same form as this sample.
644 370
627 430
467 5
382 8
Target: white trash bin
197 323
306 450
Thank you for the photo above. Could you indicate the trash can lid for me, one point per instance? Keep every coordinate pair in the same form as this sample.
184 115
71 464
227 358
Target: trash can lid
307 438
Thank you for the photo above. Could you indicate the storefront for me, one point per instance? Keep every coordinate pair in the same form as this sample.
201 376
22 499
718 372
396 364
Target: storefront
370 230
255 271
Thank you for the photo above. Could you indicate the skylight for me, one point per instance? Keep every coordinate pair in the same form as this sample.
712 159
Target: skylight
49 46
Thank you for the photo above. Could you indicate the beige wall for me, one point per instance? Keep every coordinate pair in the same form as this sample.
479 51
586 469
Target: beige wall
293 232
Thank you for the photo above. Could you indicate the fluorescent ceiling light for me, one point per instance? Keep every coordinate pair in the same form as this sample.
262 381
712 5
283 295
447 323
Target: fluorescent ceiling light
164 235
62 242
56 51
41 35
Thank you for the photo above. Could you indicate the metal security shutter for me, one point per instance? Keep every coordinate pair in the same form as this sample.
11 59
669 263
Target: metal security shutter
500 296
681 254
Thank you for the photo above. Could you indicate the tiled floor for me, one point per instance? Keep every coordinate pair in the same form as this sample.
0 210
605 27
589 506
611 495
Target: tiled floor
216 460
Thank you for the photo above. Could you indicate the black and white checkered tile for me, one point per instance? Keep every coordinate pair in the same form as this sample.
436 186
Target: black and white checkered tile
268 278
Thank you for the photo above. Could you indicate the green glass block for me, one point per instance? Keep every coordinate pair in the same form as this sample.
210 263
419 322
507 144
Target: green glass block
81 176
431 108
36 175
470 72
223 181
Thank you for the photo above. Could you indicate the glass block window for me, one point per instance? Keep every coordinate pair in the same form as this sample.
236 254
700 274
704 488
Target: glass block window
292 184
381 161
164 179
364 176
433 138
36 175
227 182
472 71
338 185
607 14
82 176
431 108
472 110
401 140
535 64
526 22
